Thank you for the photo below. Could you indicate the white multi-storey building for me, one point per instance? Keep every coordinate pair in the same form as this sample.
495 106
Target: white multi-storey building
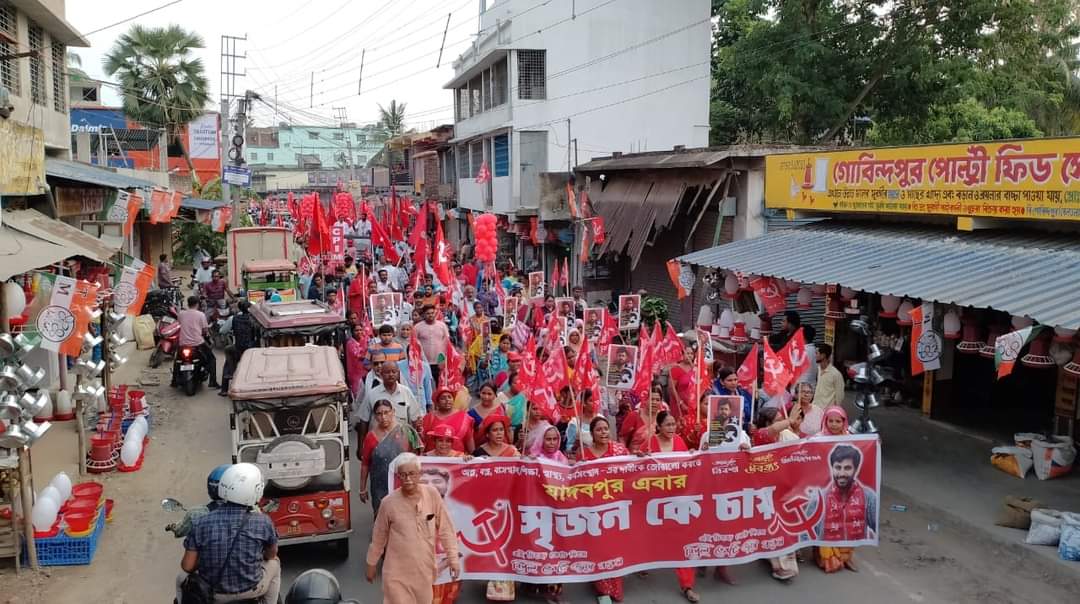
548 85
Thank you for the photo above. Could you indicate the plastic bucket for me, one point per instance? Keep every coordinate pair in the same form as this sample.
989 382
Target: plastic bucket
136 401
88 490
79 522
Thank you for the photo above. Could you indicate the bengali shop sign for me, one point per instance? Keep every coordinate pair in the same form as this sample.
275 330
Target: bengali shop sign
539 522
1035 179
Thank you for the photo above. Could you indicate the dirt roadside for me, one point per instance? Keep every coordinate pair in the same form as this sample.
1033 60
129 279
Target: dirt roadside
136 560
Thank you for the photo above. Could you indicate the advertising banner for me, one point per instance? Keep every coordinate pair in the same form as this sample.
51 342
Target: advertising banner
203 137
1036 178
542 522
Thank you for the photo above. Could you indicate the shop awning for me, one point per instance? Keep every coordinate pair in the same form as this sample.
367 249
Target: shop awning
1020 272
20 252
201 204
94 175
74 241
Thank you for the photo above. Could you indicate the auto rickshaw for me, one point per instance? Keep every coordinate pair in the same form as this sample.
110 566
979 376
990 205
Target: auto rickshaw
280 275
298 323
290 417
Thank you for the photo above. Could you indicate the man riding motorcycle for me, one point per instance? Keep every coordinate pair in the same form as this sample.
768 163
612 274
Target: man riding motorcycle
193 332
182 528
233 548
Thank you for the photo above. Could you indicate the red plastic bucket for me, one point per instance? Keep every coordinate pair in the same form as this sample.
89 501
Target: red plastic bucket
88 490
81 505
136 401
101 447
79 522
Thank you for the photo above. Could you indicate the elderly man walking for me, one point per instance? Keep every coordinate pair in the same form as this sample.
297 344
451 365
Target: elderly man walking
410 520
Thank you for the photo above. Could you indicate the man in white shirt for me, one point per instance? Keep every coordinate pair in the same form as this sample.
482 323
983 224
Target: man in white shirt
830 383
362 231
406 408
205 273
383 283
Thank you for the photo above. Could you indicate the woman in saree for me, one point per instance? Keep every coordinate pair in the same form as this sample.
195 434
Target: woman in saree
577 429
604 446
681 386
640 425
769 421
533 429
443 413
355 352
493 431
384 441
487 406
667 441
832 559
727 383
547 446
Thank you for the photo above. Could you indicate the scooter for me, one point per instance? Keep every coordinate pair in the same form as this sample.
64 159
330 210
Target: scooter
190 369
221 326
167 335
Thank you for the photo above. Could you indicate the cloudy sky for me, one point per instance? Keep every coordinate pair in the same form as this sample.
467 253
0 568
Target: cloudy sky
289 41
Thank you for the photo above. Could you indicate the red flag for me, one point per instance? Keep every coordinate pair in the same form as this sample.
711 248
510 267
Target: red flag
555 369
452 374
566 275
771 294
586 207
608 333
416 360
528 362
586 246
381 239
777 373
554 332
533 226
440 262
484 174
597 225
584 376
657 343
748 370
555 278
319 236
571 200
673 346
419 231
793 355
644 377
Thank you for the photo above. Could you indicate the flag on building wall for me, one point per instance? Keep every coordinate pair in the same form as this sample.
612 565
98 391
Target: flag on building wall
925 342
1007 348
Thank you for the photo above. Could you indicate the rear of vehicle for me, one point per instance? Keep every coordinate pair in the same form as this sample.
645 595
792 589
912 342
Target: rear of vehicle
298 323
290 417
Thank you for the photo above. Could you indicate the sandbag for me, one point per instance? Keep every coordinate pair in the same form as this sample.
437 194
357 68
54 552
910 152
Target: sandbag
1045 527
1069 544
1053 458
143 328
1023 439
1016 512
1012 460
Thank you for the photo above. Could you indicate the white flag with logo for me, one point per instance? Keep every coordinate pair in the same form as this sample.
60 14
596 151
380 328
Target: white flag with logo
925 342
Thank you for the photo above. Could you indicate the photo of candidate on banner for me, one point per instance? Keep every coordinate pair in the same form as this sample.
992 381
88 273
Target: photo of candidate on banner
564 307
510 311
517 518
704 342
621 367
629 312
594 323
386 308
536 287
725 422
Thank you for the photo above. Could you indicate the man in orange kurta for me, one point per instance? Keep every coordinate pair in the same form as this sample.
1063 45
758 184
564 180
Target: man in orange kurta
410 520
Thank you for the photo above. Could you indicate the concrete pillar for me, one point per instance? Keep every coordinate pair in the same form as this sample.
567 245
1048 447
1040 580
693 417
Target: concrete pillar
82 146
750 205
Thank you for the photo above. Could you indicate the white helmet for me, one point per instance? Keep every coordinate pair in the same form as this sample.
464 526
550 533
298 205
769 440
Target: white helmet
242 484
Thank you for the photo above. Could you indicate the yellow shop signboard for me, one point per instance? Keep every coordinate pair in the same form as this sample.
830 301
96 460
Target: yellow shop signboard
1033 178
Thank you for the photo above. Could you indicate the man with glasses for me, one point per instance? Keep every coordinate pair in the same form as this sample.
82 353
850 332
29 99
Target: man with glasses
410 520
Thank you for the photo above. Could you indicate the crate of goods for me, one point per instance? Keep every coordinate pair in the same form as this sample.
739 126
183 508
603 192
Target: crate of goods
64 550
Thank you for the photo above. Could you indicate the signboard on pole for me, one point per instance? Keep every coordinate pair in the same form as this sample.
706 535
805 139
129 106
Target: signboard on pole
237 175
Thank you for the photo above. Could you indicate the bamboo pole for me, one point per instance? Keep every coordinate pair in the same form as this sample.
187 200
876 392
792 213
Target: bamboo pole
26 487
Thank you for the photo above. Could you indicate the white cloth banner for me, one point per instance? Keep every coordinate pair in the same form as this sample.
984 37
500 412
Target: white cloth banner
203 137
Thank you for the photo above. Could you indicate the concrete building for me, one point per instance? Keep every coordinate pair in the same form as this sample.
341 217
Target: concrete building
297 157
34 123
547 86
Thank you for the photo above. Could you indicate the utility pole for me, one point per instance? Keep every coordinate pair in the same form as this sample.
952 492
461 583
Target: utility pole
341 113
226 140
230 70
312 98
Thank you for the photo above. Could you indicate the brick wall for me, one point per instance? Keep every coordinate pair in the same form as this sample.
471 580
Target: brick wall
651 272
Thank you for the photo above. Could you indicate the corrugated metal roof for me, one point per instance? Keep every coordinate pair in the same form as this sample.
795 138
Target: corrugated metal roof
703 157
76 242
1020 272
72 170
201 204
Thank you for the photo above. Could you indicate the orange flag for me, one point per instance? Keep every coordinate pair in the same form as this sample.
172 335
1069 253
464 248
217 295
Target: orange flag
681 277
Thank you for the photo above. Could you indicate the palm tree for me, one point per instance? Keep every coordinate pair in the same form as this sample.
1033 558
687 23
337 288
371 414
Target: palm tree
391 123
163 86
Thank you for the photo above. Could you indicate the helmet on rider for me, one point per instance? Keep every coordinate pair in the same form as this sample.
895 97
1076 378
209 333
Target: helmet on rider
214 479
242 484
315 586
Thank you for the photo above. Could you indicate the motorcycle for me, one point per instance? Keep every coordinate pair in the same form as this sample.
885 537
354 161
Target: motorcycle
159 301
167 337
220 320
189 367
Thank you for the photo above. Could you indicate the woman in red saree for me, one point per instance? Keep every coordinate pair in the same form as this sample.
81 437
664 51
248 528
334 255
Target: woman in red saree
604 446
681 386
667 441
443 414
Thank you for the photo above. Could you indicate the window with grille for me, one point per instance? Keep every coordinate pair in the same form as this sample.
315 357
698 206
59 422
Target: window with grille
339 136
463 161
463 104
59 65
9 25
476 153
254 156
475 95
269 157
501 155
9 68
498 83
532 75
361 160
486 89
312 135
36 36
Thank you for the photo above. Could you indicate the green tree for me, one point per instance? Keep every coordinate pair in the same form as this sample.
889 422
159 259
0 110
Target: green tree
391 123
163 85
967 120
801 70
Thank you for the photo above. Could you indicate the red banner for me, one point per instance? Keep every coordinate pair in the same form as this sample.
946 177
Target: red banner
543 522
771 294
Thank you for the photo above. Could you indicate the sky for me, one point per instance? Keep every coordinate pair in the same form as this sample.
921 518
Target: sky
288 41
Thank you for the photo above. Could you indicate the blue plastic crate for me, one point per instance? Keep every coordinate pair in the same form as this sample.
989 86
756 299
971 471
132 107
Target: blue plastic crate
63 550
